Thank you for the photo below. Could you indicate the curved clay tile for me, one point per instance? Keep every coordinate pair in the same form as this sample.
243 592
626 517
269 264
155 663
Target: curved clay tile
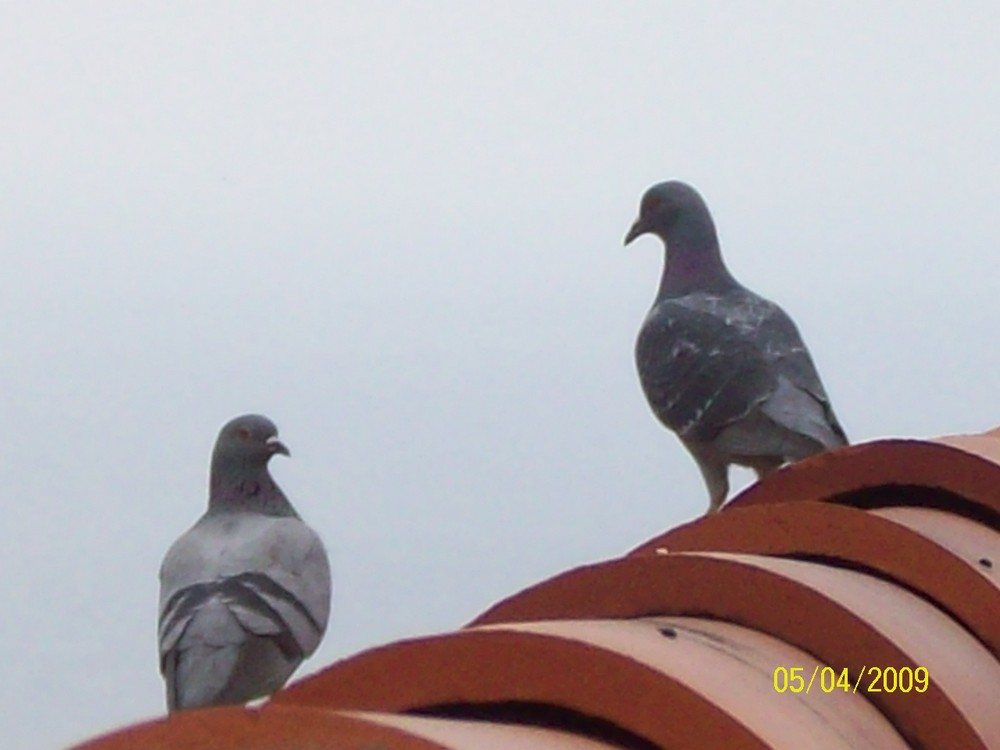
978 545
477 735
271 727
963 669
489 666
274 726
846 618
986 445
967 466
734 668
946 557
718 664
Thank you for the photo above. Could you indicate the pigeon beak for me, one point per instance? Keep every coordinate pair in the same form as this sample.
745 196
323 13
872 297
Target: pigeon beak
636 230
276 446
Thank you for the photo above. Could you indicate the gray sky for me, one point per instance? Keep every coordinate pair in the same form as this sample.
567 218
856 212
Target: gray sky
397 232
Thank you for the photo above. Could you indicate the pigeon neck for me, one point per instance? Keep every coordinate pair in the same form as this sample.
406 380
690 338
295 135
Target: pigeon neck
693 260
243 488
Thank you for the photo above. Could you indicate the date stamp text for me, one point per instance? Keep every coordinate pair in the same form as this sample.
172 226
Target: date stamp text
869 680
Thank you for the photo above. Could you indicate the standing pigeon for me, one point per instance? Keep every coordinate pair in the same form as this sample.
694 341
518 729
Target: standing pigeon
722 367
245 593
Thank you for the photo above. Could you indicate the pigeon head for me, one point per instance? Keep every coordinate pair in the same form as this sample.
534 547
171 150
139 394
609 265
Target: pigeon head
239 476
247 442
666 206
677 214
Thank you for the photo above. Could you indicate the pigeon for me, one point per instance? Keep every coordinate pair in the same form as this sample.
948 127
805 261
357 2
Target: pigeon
722 367
244 593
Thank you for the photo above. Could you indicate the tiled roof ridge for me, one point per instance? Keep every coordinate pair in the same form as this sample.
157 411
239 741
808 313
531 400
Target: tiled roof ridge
882 554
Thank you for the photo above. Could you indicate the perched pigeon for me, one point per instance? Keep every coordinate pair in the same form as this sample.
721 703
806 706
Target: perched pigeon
245 593
722 367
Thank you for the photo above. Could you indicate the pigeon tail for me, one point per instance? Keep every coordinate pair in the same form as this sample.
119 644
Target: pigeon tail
801 412
200 667
218 662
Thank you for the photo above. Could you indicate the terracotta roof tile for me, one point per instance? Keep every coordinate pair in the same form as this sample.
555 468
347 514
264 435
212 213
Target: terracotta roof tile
884 554
947 557
948 471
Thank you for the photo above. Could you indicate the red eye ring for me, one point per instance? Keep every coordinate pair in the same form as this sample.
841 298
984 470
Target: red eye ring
243 433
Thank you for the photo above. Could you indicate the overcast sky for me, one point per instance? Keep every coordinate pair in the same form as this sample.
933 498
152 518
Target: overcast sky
396 229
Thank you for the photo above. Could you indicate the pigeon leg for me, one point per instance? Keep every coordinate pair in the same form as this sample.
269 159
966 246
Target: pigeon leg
716 475
717 491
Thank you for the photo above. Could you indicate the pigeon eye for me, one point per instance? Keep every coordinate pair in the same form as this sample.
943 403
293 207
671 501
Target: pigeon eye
243 433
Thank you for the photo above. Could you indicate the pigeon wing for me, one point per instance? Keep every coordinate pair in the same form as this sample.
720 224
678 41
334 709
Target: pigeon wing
699 372
271 575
